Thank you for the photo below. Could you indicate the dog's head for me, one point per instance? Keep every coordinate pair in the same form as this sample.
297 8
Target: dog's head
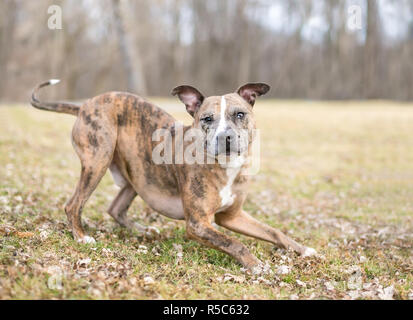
227 121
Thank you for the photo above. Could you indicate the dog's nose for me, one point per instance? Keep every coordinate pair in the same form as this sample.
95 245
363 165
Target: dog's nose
228 143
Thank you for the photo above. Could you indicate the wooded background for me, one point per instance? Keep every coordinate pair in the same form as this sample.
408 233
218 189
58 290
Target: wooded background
302 48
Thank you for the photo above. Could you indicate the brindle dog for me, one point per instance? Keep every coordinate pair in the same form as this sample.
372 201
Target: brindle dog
114 130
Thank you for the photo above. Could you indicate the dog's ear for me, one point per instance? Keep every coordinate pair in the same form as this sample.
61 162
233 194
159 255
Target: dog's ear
190 96
250 91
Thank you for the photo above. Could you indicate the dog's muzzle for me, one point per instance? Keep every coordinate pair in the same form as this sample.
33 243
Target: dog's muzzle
229 142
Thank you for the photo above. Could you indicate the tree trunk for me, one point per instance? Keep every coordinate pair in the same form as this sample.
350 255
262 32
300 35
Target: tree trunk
7 28
245 50
131 62
371 51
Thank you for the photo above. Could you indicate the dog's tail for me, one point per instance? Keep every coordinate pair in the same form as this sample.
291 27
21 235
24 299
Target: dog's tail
61 107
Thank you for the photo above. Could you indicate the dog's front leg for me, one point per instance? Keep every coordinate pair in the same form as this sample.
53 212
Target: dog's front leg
199 228
241 222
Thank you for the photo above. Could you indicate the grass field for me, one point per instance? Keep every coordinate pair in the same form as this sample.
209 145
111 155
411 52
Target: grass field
335 176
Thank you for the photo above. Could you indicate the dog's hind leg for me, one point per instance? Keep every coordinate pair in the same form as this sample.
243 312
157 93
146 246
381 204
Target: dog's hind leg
95 148
119 208
89 179
120 205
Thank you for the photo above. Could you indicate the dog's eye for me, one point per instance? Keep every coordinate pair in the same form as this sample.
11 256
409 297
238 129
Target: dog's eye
240 115
207 119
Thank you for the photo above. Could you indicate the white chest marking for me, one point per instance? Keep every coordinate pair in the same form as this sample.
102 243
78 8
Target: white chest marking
227 197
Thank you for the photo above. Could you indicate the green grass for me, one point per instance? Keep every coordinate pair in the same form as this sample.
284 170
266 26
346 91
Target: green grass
335 176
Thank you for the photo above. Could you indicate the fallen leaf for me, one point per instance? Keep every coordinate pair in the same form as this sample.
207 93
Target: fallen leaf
301 283
329 286
233 278
83 263
7 229
354 294
142 249
283 269
21 235
387 293
148 280
43 235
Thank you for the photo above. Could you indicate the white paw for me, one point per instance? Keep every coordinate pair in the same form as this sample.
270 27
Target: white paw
138 227
148 231
309 252
152 231
86 239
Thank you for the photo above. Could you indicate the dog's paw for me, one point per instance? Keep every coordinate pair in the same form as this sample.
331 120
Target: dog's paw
308 252
86 240
152 231
148 231
138 228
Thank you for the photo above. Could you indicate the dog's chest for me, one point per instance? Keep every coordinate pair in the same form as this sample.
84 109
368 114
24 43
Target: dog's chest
226 194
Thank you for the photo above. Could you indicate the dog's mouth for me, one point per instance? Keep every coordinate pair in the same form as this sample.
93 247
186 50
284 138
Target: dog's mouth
228 152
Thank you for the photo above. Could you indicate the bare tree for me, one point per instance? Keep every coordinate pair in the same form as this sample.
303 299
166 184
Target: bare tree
371 50
149 46
130 60
8 17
